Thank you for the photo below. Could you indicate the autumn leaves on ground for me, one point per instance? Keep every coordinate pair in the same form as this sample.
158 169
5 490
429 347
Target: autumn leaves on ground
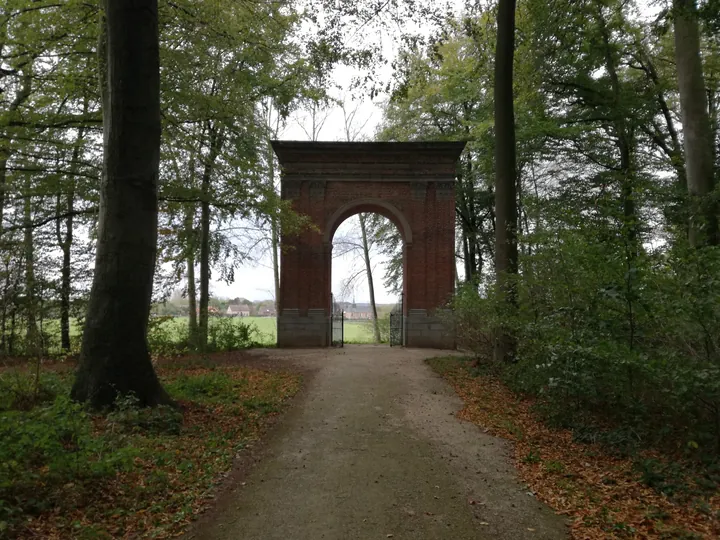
65 473
647 495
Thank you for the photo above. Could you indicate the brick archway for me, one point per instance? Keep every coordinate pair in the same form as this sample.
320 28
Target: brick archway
413 185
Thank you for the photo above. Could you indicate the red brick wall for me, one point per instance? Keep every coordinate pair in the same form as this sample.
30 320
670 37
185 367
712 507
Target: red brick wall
429 270
412 184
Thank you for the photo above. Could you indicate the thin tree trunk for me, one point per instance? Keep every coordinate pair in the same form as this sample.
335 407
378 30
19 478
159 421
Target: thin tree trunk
4 156
3 316
703 225
214 148
114 358
276 261
65 277
274 238
65 244
31 336
204 262
466 255
506 253
623 142
368 270
191 289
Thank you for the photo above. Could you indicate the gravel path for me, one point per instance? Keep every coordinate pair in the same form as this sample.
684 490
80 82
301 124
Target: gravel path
373 450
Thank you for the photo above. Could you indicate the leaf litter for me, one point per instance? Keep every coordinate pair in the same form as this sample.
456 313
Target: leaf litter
602 494
173 477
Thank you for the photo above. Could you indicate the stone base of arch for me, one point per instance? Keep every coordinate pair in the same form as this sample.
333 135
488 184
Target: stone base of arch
421 330
296 331
413 185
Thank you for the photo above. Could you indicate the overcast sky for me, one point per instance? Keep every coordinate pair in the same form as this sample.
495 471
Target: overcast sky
255 281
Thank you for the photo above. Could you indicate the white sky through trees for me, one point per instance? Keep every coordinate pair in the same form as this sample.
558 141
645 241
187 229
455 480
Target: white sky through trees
254 281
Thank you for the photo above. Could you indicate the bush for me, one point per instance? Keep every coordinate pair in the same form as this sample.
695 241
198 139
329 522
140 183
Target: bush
166 337
21 390
475 316
604 341
228 334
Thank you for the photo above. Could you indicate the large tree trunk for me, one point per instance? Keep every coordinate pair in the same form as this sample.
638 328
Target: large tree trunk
506 261
703 225
368 271
114 358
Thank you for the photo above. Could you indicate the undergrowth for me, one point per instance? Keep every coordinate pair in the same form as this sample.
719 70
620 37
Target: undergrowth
66 472
605 478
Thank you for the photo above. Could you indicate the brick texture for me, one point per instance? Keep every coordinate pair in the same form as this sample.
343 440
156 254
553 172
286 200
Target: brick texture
412 184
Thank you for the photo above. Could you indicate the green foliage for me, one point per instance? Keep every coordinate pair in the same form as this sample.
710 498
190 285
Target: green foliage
21 391
230 335
166 338
170 336
475 317
129 417
212 386
364 332
55 456
47 447
601 341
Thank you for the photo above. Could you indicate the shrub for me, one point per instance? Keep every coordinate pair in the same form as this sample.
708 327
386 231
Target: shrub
23 390
474 316
633 345
167 337
228 334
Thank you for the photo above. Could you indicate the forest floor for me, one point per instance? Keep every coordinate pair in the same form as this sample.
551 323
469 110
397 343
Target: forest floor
376 444
373 449
132 473
605 494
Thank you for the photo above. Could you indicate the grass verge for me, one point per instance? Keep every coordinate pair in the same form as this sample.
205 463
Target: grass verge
605 495
66 473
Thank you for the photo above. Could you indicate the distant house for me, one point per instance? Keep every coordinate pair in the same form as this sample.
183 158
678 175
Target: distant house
238 310
267 311
357 311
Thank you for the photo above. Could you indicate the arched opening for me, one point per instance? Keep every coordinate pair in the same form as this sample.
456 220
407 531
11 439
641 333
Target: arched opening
367 274
411 184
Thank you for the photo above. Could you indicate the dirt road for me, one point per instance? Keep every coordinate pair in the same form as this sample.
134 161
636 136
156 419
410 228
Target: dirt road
373 450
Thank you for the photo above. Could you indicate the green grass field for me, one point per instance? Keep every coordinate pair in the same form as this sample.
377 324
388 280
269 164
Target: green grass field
265 335
355 331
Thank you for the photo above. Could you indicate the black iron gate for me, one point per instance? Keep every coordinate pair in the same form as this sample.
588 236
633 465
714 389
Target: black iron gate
397 325
337 325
